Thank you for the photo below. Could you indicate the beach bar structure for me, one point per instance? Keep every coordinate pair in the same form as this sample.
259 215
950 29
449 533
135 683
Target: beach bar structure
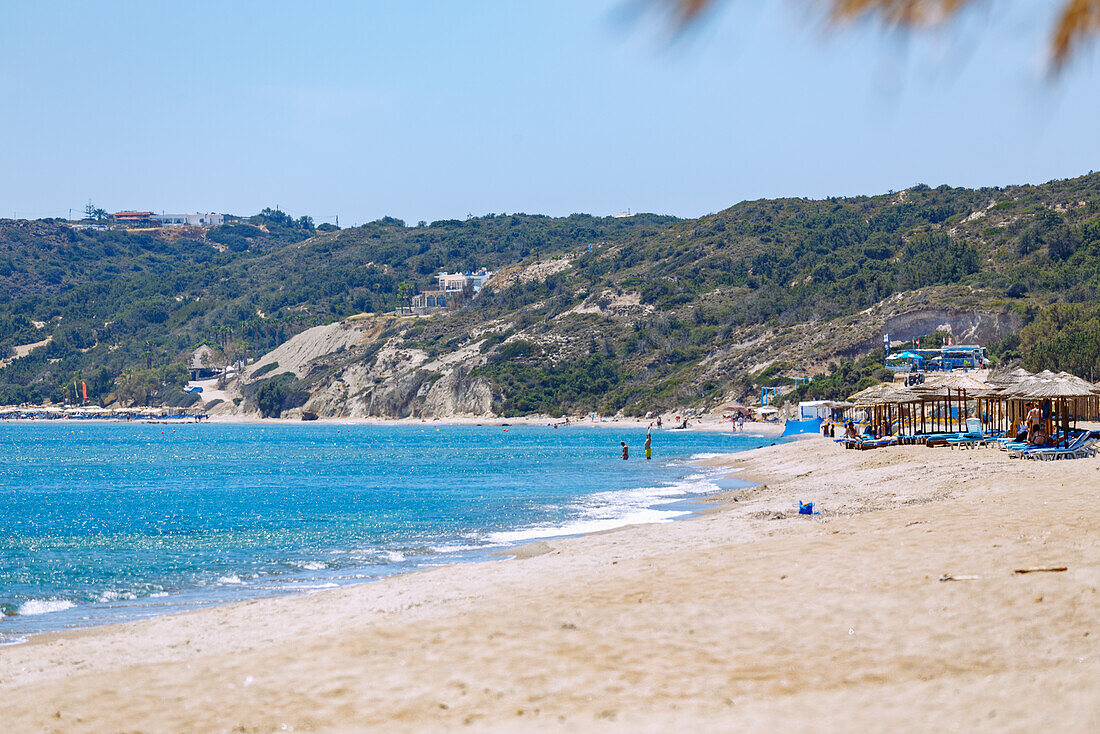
944 403
1062 399
940 405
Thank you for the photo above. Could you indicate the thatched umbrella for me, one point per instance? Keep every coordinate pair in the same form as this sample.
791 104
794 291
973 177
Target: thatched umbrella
1075 380
951 388
1056 394
953 381
1001 377
896 408
868 395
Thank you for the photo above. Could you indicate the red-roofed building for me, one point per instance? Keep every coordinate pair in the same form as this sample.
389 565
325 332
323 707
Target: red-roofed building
133 217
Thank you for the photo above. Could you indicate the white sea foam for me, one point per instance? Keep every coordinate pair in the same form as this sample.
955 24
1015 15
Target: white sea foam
393 556
115 595
44 606
613 509
454 548
312 565
701 457
230 580
578 527
609 504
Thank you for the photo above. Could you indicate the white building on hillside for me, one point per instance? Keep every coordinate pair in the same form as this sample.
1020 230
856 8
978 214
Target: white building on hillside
197 219
456 282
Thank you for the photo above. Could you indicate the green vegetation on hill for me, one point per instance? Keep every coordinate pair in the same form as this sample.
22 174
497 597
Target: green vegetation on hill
632 320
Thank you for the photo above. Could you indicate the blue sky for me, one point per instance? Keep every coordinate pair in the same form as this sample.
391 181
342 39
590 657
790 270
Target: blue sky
436 109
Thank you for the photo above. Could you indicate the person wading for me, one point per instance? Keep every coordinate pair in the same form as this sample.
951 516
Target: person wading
626 450
648 441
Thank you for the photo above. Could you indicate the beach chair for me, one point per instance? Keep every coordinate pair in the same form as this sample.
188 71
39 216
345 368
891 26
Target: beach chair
1080 447
875 443
1017 450
971 438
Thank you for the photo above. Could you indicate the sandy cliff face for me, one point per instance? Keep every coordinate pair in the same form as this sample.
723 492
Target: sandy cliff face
351 370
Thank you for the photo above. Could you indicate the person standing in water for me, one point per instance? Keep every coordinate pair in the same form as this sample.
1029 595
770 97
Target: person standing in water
626 450
648 441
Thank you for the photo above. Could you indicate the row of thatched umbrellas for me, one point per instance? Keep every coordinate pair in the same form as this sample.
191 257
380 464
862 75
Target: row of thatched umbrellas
943 402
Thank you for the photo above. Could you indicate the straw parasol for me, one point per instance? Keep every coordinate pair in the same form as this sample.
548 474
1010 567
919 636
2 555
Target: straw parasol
1074 379
867 396
953 381
949 394
1000 377
1055 386
893 395
1059 390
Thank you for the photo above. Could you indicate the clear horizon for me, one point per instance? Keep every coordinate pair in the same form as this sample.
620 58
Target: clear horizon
434 111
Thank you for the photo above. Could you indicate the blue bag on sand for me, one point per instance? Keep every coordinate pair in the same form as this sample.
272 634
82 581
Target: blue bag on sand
806 508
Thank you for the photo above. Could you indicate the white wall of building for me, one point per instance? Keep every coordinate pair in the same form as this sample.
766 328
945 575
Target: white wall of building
193 220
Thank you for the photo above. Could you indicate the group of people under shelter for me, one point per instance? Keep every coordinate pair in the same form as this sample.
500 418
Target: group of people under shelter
1030 429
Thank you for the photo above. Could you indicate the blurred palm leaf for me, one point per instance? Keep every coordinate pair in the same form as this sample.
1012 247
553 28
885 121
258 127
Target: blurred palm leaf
1077 19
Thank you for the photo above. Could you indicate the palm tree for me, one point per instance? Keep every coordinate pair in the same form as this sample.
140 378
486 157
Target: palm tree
1077 19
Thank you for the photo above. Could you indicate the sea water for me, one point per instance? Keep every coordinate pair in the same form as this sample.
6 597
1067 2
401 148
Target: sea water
105 522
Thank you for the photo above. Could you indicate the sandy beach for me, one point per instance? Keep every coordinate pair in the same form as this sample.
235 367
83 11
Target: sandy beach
900 608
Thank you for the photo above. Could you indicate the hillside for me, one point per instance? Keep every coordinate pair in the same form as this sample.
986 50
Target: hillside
584 313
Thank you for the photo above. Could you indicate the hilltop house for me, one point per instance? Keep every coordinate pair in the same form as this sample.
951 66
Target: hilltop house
170 220
197 219
457 282
428 301
452 291
133 217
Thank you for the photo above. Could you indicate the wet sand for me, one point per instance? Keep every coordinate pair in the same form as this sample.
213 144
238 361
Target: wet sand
749 618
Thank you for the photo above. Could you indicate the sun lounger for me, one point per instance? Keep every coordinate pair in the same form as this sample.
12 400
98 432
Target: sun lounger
973 436
1017 449
1082 446
875 443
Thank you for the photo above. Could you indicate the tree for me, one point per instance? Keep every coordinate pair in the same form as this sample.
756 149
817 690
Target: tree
94 213
405 292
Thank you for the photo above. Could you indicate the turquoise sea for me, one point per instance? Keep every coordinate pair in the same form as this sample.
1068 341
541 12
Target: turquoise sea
103 522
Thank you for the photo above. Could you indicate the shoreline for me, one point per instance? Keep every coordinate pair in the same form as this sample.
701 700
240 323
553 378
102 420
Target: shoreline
707 423
707 622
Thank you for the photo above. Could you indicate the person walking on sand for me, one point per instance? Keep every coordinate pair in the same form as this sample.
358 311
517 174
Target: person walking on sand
648 441
626 450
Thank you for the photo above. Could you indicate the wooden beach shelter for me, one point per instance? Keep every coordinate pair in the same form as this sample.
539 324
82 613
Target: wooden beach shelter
1087 407
946 401
1007 412
888 407
890 410
865 401
1003 377
1061 398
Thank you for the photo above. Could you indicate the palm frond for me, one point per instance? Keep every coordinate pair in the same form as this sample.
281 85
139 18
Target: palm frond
1077 19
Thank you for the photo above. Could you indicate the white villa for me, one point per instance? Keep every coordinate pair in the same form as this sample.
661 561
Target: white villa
456 282
198 219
